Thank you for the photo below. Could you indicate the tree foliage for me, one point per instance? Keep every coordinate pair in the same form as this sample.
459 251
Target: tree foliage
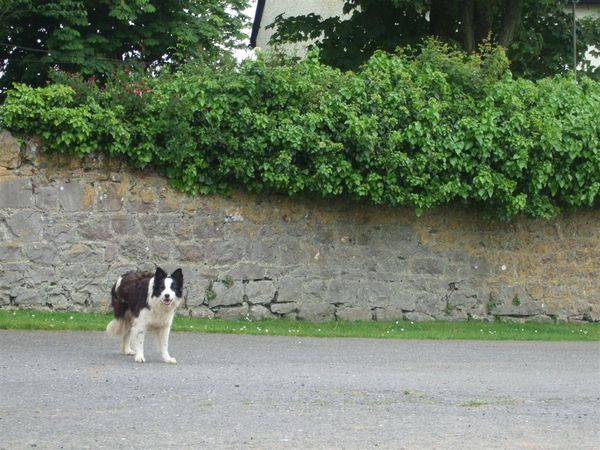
94 37
535 33
415 130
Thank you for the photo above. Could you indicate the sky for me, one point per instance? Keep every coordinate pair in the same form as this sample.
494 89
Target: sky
242 54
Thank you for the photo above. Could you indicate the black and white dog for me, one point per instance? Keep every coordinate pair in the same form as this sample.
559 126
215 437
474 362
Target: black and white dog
143 302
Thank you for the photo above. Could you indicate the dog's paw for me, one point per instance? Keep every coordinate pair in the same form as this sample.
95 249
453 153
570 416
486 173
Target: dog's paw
128 352
169 360
140 358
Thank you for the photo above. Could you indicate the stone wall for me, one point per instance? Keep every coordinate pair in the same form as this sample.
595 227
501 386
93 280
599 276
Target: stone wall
70 227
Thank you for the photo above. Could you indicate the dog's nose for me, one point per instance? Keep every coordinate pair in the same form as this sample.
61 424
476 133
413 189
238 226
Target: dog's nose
167 296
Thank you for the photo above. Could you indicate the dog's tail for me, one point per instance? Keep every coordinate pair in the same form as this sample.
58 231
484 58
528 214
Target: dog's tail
116 327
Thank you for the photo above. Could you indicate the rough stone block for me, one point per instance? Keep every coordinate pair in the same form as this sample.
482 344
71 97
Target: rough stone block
284 308
125 225
191 253
430 303
91 289
248 271
418 316
155 225
208 229
135 249
463 295
82 253
161 249
77 273
344 291
60 232
57 299
70 197
222 294
388 313
361 292
301 290
29 297
224 253
397 233
16 193
96 229
354 313
5 298
290 289
9 151
402 298
11 277
427 266
540 318
316 312
259 312
169 202
262 251
111 252
293 251
260 292
201 312
26 225
46 196
516 301
183 228
232 313
593 313
32 153
142 200
456 314
4 234
109 197
42 253
11 252
196 284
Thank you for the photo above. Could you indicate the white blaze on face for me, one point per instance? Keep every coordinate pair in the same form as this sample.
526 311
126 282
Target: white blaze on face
167 295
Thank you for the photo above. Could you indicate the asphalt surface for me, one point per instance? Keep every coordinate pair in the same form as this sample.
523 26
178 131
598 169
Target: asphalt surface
74 390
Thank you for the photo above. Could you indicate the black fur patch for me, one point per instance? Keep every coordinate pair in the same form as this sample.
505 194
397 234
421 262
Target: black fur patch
159 282
177 285
132 293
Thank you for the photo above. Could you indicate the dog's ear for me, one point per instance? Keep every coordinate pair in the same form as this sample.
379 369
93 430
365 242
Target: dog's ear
159 274
178 276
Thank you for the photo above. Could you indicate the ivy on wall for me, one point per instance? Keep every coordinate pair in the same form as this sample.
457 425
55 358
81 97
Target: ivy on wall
419 129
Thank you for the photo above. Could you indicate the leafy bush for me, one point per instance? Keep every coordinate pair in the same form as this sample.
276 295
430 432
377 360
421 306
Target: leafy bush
406 130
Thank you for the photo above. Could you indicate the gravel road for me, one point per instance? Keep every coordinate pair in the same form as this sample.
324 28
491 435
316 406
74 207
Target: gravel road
73 390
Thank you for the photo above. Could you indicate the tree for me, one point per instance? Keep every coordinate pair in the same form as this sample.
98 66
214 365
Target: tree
536 33
94 37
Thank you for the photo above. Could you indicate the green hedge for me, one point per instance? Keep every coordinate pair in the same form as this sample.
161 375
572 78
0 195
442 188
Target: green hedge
416 130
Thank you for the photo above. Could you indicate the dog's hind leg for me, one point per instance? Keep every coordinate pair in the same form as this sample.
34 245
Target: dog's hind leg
137 341
126 343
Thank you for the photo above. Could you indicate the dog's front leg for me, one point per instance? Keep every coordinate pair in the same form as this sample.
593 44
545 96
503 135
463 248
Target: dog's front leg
163 343
137 341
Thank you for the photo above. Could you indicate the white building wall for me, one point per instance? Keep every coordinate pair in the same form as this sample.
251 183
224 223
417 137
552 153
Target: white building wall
584 11
289 8
331 8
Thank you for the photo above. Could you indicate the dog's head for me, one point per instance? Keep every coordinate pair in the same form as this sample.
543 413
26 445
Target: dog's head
168 287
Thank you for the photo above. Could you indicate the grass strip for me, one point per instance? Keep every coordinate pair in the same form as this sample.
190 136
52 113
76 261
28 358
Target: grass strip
473 330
